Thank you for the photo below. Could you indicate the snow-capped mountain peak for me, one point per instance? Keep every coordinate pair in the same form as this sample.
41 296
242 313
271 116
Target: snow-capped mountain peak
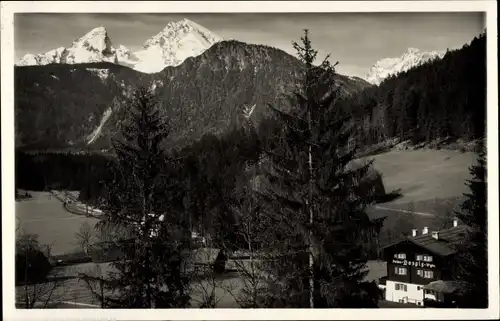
178 29
94 46
412 51
412 57
170 47
95 40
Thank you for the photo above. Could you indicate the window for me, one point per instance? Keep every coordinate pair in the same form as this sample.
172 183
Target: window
401 287
401 256
419 288
428 274
422 257
399 270
420 273
427 258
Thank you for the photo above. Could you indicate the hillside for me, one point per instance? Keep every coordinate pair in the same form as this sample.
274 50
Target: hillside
432 183
58 106
442 98
424 175
78 106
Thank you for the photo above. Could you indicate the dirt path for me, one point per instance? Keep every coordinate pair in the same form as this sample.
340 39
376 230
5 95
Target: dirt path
75 207
404 211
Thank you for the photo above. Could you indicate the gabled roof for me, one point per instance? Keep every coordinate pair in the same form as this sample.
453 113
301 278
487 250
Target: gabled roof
444 286
446 242
444 245
204 255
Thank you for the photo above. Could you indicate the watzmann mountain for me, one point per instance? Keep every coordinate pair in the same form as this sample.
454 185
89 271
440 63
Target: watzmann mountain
79 104
95 46
170 47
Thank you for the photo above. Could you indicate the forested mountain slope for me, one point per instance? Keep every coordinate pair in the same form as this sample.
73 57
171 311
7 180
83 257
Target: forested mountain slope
79 106
441 98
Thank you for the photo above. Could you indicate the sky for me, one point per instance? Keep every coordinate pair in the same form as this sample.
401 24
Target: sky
355 40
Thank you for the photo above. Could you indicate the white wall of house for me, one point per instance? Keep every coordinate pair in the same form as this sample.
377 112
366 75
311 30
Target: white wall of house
432 295
414 293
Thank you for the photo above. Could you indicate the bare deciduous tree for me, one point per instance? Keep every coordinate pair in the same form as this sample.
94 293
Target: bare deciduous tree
41 295
248 262
84 237
36 293
94 281
204 278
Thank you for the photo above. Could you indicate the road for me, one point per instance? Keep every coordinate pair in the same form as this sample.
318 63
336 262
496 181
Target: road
404 211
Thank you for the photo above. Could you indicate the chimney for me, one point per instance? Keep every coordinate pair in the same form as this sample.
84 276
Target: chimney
455 222
414 232
435 235
425 230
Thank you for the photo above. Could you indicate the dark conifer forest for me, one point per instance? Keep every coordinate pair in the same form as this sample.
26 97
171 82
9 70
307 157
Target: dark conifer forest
443 98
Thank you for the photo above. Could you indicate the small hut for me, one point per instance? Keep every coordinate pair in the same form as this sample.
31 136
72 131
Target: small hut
442 293
208 258
103 252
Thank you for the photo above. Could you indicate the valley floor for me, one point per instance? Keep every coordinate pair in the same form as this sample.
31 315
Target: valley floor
74 292
431 182
45 215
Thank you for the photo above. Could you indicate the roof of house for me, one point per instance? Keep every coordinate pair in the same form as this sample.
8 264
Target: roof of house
74 271
444 245
204 255
443 286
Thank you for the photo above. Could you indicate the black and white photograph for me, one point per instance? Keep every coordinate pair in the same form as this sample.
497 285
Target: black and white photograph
200 159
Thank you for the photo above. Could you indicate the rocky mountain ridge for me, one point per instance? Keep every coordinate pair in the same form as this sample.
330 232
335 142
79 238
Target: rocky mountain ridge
170 47
204 94
412 57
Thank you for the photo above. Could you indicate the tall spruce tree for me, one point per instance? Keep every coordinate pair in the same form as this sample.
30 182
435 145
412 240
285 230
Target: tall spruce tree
472 258
320 231
140 199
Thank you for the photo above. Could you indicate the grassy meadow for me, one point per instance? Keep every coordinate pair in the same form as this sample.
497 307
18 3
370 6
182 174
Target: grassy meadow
425 175
431 182
44 215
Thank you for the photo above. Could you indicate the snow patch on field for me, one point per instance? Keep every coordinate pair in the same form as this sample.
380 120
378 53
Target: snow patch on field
97 132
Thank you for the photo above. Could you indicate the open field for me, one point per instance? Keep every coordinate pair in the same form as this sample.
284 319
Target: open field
72 289
402 217
45 215
227 286
424 175
431 182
